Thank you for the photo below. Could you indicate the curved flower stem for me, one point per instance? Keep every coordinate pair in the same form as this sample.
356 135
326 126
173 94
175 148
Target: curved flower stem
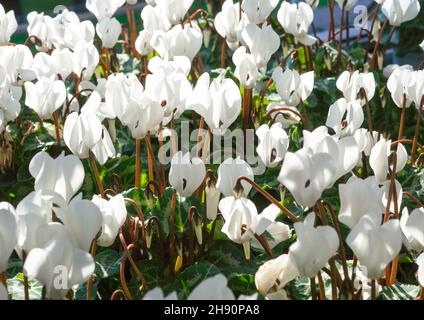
339 48
143 223
417 130
111 192
402 117
264 243
409 195
269 82
131 260
406 141
92 277
117 292
172 234
56 127
375 52
269 197
196 13
96 174
285 109
77 94
160 236
122 266
137 163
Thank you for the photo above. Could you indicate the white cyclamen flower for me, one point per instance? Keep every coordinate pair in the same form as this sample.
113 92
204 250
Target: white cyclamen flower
345 117
186 175
273 144
228 173
413 227
313 247
57 264
262 42
346 4
399 84
8 25
379 159
178 41
103 8
10 106
109 30
218 102
400 11
45 97
214 288
246 70
174 10
296 19
293 87
258 10
226 22
351 85
63 175
84 132
375 245
420 263
306 176
114 214
8 238
275 272
82 219
242 220
352 210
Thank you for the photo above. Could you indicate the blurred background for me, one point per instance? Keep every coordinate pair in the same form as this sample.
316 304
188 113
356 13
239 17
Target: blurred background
405 41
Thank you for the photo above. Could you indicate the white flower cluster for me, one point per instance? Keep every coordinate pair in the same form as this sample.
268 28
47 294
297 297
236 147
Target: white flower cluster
54 226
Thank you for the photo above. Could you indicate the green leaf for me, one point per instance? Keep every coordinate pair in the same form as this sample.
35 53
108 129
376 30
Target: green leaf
188 279
107 263
300 288
15 288
400 291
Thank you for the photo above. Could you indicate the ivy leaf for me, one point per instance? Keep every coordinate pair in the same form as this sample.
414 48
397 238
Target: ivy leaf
15 288
107 263
188 279
400 291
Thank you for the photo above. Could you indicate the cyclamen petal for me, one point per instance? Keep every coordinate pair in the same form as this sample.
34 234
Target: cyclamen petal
186 174
313 247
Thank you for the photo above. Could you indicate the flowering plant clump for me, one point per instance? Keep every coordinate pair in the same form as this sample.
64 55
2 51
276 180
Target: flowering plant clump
202 150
